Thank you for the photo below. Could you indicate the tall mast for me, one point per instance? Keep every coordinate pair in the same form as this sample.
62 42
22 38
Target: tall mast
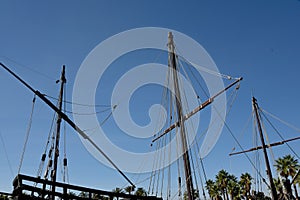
58 123
269 172
186 161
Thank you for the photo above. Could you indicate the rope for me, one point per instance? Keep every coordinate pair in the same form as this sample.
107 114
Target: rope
233 99
241 147
268 141
27 135
280 136
200 177
78 104
256 155
171 111
169 170
92 113
65 163
163 171
203 169
186 107
6 154
162 157
207 70
153 176
245 127
155 173
194 171
51 150
267 138
50 153
178 146
42 163
28 68
201 161
159 173
178 162
109 115
189 80
284 122
197 81
166 97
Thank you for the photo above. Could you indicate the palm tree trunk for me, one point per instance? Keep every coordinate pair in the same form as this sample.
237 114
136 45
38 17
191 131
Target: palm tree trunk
226 192
296 192
223 193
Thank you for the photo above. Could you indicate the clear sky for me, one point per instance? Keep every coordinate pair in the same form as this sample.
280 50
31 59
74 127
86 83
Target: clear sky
258 40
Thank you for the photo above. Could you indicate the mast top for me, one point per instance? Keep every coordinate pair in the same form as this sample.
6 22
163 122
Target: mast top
170 36
170 42
254 99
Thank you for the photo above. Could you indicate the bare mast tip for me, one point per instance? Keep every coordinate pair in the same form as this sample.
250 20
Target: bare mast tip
170 39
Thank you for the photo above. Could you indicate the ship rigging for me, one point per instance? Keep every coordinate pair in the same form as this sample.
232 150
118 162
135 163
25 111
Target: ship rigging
179 118
179 123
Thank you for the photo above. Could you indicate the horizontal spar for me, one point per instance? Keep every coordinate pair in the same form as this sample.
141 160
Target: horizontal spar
267 146
197 109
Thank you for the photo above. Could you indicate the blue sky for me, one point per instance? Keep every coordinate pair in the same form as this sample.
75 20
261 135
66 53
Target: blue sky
258 40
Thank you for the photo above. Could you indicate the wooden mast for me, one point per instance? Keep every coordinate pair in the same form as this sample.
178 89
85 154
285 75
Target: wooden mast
68 120
186 161
269 172
57 137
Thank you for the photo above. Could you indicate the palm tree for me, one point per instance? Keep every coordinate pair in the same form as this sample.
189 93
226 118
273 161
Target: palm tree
129 189
288 166
3 197
233 187
209 186
72 195
260 196
213 190
95 196
297 180
195 193
222 182
278 186
118 190
245 182
83 194
141 192
293 169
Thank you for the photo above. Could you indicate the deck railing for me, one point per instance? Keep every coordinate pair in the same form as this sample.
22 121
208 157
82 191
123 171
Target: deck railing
31 188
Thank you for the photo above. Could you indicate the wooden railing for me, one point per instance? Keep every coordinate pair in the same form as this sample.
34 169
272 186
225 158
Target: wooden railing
31 188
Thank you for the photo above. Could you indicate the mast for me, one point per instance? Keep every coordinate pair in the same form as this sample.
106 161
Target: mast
58 123
186 161
68 120
269 172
